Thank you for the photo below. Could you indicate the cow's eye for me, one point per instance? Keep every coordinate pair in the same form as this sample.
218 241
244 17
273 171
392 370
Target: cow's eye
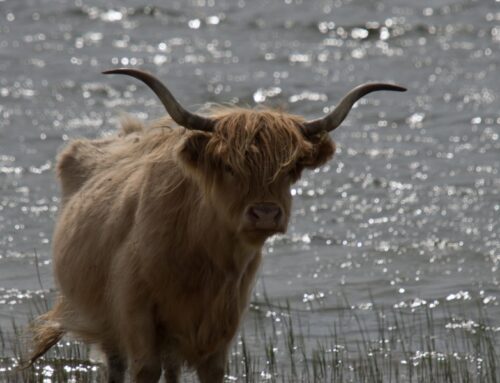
228 170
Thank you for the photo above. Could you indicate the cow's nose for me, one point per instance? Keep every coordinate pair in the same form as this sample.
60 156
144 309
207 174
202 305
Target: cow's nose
266 215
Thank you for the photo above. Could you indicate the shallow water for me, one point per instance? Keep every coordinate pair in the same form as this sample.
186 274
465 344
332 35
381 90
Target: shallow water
405 216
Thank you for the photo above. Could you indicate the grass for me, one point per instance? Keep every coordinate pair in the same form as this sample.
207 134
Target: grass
433 343
405 346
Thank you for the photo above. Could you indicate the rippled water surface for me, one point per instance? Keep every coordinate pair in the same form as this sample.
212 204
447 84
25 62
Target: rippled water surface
405 216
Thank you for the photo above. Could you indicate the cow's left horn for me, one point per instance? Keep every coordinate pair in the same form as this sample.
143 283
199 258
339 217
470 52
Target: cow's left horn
175 110
335 118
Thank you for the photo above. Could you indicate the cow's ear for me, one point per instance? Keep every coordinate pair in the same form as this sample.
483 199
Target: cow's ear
323 149
193 149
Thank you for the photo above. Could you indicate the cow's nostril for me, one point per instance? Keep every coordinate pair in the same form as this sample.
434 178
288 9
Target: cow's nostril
253 214
264 212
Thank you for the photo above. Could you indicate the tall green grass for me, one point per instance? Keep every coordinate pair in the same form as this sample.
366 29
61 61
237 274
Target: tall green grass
443 343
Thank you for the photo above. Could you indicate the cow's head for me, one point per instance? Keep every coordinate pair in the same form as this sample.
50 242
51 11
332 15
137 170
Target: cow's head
248 163
246 160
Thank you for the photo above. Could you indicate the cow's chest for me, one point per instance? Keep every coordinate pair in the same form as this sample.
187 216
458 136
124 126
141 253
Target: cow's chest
204 313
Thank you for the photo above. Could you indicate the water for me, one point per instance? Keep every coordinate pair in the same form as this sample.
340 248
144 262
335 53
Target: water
405 216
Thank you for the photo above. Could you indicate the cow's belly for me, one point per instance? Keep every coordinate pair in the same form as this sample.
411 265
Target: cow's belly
86 240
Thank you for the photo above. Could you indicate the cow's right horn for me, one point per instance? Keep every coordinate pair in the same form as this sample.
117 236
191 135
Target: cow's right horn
180 115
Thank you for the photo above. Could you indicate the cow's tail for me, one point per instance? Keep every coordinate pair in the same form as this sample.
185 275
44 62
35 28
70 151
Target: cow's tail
46 331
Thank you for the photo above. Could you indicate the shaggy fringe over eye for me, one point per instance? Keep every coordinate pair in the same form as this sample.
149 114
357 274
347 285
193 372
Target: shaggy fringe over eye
260 143
256 145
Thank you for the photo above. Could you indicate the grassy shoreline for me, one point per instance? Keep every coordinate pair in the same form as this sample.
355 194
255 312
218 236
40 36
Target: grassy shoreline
442 343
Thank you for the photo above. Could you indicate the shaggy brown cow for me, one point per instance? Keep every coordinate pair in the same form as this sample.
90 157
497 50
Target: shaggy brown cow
161 229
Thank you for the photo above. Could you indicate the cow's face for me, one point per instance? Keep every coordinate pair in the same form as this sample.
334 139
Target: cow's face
247 166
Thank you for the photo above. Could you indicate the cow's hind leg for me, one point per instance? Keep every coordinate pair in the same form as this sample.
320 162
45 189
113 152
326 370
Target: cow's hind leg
116 367
116 362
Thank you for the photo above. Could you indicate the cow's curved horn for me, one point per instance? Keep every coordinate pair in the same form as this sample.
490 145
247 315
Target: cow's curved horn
335 118
175 110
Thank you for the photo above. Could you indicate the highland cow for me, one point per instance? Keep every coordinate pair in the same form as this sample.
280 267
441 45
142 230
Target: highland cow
160 232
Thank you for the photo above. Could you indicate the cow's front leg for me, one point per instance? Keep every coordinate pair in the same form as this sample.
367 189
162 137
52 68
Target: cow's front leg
140 338
135 319
172 373
143 347
146 373
171 364
212 370
144 355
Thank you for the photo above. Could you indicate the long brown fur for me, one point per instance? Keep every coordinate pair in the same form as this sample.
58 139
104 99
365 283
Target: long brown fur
151 254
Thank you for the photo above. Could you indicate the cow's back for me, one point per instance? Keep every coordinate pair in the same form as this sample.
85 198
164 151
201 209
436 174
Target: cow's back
84 158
